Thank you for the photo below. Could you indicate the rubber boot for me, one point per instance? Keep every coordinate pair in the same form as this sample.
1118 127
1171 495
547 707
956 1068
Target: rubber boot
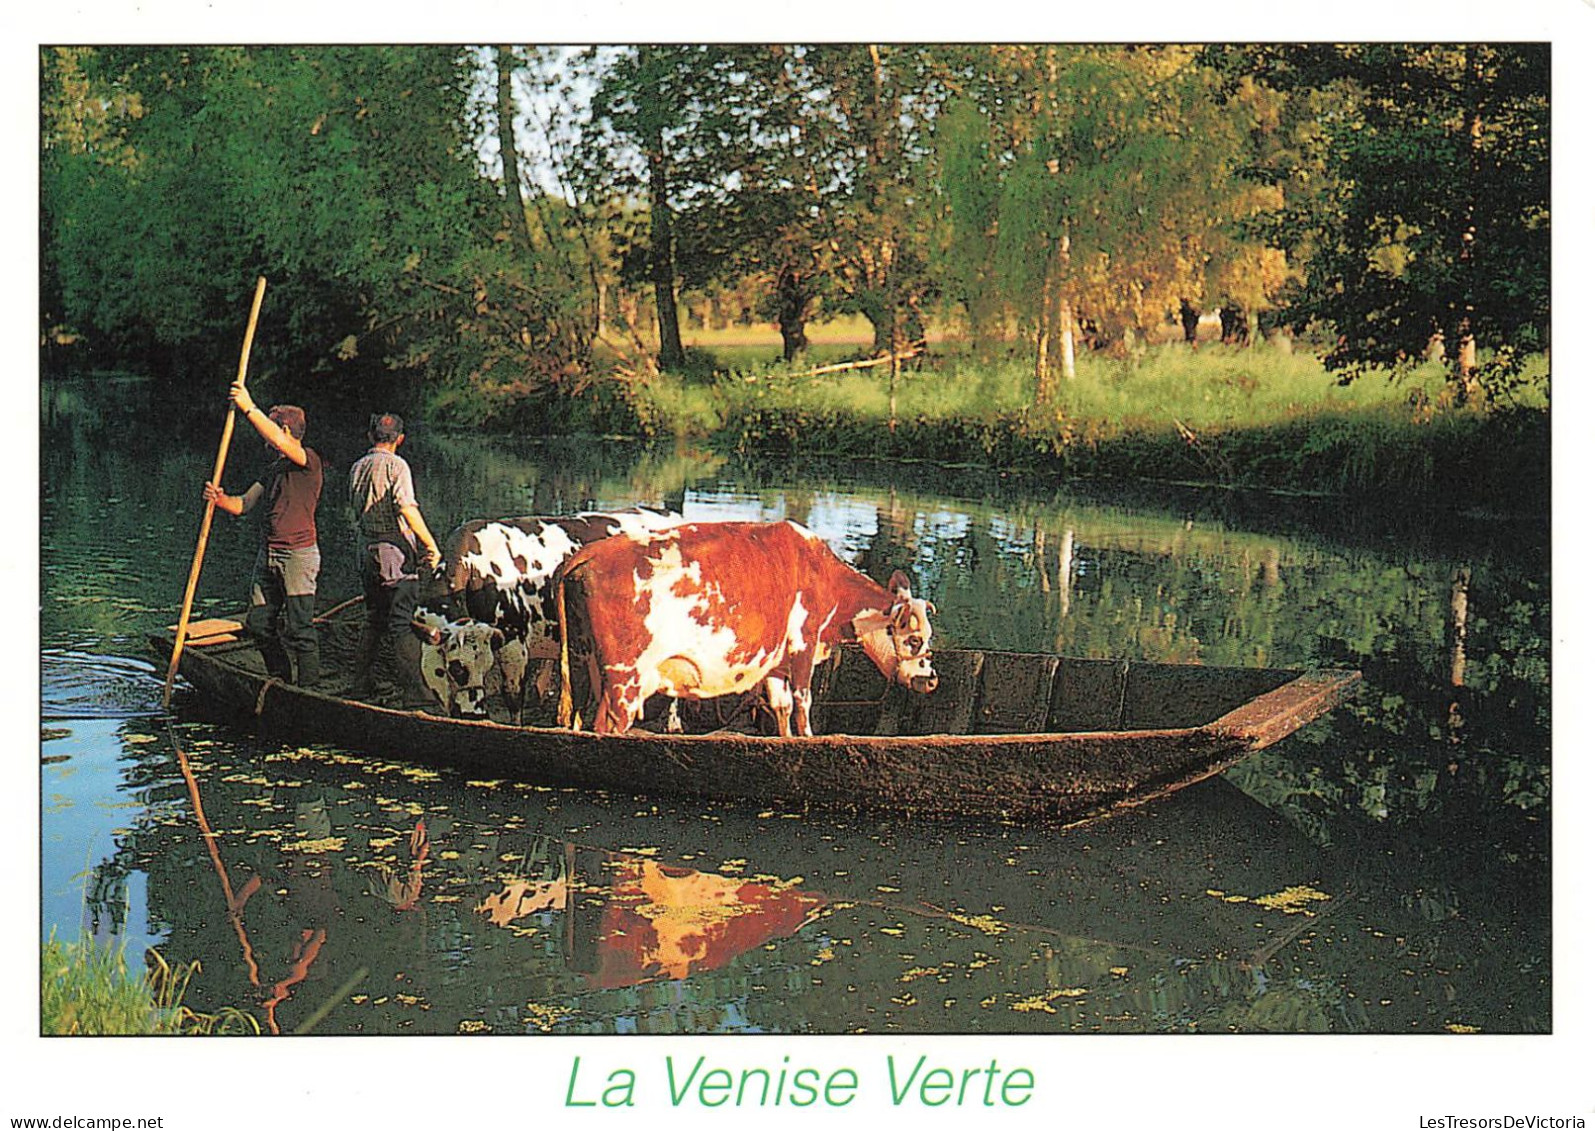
365 661
301 639
276 659
260 623
414 695
309 668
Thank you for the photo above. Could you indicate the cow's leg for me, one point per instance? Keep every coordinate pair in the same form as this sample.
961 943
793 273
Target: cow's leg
802 703
780 695
435 673
802 689
512 662
617 709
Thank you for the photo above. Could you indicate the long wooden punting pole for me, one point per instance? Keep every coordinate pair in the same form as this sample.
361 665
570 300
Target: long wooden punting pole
210 507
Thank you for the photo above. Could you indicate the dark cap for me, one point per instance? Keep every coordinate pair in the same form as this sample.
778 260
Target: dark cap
290 417
386 427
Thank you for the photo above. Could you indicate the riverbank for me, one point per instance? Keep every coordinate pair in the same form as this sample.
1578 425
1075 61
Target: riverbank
1227 416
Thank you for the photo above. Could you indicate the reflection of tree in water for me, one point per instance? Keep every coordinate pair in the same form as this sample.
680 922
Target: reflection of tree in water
1437 791
287 888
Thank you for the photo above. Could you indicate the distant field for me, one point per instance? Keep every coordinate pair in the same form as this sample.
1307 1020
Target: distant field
855 330
852 330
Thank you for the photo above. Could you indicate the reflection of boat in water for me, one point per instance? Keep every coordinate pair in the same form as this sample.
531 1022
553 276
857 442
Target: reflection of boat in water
1006 735
521 910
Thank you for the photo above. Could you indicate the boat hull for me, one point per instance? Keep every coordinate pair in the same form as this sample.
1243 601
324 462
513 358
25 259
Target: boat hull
1049 776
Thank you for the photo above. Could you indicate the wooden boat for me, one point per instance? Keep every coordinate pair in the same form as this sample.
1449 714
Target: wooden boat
1011 736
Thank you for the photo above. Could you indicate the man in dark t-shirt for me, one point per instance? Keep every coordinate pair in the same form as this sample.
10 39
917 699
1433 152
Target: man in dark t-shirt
283 593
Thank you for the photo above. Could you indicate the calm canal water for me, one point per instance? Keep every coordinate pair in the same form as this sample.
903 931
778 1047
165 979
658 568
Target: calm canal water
1387 870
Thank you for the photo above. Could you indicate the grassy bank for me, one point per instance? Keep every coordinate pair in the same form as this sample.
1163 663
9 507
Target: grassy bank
1243 417
1255 418
87 990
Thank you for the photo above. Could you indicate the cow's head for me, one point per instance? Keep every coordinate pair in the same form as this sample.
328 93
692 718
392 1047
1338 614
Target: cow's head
456 657
898 639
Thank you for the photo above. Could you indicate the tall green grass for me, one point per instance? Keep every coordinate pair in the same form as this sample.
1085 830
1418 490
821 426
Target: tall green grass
86 989
1249 417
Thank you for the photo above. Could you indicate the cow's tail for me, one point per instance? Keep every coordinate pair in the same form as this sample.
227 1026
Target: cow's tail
565 704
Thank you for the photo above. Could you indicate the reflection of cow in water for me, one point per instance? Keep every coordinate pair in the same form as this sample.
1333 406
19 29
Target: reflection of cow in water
498 572
629 919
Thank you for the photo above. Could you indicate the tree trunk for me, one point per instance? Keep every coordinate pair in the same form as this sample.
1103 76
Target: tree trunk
792 302
1465 377
1055 335
1065 308
1457 641
1457 626
1190 320
662 260
514 199
881 307
1046 330
1067 319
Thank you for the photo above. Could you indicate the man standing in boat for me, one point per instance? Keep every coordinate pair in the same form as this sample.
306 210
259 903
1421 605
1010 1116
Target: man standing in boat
283 591
382 496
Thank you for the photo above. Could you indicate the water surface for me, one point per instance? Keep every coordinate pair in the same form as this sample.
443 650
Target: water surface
1386 870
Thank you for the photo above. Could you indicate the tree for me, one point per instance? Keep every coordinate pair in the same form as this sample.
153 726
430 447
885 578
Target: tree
1435 215
869 120
349 176
505 65
666 124
1084 181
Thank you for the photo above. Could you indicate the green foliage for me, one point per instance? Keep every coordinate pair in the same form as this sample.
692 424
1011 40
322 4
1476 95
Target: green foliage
1397 191
86 990
1434 213
1098 179
1237 417
346 176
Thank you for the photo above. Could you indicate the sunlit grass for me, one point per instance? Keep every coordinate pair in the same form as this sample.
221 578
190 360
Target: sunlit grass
87 990
1258 417
1169 387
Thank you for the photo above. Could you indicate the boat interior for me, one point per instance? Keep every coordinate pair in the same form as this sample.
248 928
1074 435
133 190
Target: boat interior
979 692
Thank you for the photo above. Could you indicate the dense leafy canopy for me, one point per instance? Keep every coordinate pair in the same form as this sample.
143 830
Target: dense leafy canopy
487 218
1430 222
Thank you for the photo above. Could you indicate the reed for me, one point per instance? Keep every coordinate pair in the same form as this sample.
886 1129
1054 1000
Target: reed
86 989
1239 417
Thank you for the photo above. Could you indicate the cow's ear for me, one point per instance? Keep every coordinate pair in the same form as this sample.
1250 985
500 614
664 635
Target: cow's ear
899 584
429 633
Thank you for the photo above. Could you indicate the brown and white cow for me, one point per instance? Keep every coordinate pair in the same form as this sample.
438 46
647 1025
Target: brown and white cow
709 609
499 571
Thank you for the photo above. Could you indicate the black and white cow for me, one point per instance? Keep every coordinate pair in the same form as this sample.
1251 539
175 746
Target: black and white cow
456 657
499 572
